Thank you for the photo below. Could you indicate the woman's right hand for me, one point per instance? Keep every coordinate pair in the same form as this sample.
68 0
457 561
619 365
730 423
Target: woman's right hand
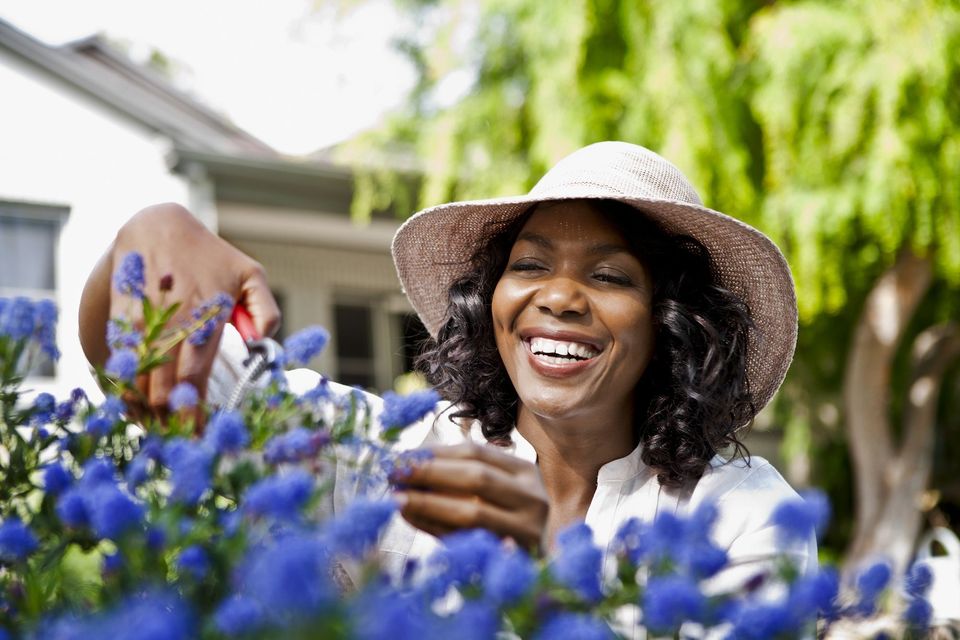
172 241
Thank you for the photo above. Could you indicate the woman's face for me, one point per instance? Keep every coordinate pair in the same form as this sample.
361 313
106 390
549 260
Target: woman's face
572 314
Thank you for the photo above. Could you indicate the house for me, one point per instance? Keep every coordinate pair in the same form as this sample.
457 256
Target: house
87 139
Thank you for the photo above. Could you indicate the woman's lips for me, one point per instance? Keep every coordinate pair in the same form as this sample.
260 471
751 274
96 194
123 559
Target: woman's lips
555 366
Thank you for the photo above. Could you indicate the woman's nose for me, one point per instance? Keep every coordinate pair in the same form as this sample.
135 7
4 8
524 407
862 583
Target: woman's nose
561 295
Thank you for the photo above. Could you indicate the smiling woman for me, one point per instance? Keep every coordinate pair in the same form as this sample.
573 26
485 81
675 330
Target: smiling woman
598 344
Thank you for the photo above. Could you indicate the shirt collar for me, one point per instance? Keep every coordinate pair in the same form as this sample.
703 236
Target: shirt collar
619 470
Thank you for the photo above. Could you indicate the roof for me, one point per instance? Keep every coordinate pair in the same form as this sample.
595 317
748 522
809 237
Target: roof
91 66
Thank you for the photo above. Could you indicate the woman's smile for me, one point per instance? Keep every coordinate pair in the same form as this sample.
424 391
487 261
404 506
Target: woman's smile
572 313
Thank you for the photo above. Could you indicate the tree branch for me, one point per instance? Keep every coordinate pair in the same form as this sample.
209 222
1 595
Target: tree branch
866 386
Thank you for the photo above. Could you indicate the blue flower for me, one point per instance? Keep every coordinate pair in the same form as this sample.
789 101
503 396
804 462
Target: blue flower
474 620
874 579
297 444
279 496
799 518
190 465
509 576
870 583
97 471
303 345
382 612
138 471
151 616
156 538
463 558
45 327
56 478
112 512
574 626
318 393
670 601
64 411
226 432
193 561
112 562
578 561
631 540
17 541
183 396
44 406
98 426
120 337
112 407
759 621
290 579
918 579
918 614
813 593
398 465
16 318
402 411
238 615
72 509
122 364
128 277
216 310
356 530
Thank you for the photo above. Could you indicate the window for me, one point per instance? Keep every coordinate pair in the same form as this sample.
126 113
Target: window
376 341
28 248
356 364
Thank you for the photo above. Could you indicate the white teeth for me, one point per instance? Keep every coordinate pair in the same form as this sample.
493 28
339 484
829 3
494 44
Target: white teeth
550 349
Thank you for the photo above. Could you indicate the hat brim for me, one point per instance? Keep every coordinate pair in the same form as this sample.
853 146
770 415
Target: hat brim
433 248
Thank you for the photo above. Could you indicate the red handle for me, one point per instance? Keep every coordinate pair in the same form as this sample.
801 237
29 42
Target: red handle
240 318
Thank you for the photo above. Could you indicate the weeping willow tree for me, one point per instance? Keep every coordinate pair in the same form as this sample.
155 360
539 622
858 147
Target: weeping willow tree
833 126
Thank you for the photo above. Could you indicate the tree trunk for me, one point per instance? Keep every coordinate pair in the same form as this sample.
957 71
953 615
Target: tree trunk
890 478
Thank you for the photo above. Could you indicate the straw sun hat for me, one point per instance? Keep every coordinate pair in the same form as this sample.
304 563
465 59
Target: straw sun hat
433 248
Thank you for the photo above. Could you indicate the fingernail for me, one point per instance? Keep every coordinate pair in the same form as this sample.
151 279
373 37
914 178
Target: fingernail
400 498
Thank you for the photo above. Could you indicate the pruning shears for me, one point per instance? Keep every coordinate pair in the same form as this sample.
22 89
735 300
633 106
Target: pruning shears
264 354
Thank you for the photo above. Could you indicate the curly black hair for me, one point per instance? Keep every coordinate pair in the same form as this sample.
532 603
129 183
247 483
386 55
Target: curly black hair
694 393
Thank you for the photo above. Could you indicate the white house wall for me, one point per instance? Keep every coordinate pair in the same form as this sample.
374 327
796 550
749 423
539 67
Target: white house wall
314 259
61 147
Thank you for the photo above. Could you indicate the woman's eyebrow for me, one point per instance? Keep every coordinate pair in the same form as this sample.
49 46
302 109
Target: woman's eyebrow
535 238
607 249
602 249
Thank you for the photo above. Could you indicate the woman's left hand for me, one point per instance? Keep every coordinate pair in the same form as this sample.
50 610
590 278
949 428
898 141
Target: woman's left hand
468 486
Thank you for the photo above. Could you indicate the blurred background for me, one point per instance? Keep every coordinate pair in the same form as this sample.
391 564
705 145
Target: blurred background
305 131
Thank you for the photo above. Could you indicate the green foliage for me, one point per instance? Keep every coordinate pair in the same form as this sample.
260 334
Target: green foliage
833 126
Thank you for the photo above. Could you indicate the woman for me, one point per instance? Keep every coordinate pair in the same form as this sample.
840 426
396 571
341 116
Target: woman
607 331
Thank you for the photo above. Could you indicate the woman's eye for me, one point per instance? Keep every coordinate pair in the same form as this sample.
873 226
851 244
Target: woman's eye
613 278
526 265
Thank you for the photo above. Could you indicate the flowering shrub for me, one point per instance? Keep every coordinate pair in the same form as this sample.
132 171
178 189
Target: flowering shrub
164 530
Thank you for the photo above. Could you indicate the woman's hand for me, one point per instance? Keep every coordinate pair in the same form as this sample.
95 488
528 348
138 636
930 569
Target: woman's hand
172 241
468 486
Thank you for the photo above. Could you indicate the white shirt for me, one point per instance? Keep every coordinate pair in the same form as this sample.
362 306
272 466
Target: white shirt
745 493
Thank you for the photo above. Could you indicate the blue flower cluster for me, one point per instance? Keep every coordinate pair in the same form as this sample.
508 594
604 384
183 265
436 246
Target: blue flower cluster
235 532
128 278
122 364
23 320
304 345
402 411
98 503
122 336
295 445
210 314
226 432
16 540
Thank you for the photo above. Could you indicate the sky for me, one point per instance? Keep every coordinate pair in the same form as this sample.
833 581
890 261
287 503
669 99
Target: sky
298 74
